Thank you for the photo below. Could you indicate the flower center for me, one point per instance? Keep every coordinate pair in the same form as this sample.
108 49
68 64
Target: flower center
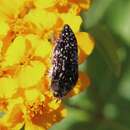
19 26
35 109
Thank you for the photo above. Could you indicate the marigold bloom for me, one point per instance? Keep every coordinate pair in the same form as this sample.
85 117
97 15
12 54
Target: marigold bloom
25 52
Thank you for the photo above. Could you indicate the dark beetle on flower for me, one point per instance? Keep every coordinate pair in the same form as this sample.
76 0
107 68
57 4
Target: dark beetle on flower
64 73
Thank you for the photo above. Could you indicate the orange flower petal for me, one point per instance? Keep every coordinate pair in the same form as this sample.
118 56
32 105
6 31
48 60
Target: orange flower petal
3 127
3 104
82 83
13 118
83 4
7 41
16 116
82 56
1 44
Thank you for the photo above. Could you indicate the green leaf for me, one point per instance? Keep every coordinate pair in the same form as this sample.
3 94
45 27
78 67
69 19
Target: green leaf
107 47
93 16
118 19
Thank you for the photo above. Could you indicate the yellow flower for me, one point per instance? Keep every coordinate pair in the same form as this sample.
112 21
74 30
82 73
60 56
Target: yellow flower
25 52
34 109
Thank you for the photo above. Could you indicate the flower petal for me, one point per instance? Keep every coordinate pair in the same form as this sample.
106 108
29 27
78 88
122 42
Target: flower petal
44 3
82 56
85 42
82 83
3 105
16 117
31 126
32 95
13 118
15 51
33 39
41 18
4 28
83 4
8 87
30 75
70 19
8 9
1 44
44 49
54 105
3 126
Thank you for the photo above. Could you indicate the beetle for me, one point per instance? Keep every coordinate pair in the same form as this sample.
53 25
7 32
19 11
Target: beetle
64 69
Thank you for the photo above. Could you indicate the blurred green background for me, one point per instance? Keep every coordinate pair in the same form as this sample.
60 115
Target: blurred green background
105 105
